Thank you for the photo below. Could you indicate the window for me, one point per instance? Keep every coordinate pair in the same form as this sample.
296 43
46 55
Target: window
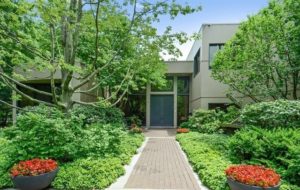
197 63
213 49
182 99
221 106
167 88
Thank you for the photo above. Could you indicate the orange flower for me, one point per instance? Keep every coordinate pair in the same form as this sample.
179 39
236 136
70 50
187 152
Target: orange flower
33 167
253 175
183 130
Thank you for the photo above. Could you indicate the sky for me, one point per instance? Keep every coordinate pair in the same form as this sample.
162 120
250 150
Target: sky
213 11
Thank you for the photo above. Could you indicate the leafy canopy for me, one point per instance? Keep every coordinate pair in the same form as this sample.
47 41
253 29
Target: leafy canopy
262 60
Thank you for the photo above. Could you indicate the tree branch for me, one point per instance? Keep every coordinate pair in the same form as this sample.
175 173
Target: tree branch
23 85
25 95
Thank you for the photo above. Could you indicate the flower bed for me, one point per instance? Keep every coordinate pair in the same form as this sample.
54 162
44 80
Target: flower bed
183 130
253 175
33 167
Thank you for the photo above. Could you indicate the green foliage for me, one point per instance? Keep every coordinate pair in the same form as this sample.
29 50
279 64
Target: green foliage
128 147
280 113
262 60
114 52
98 173
38 135
210 121
49 112
207 154
98 140
88 174
46 132
134 120
278 148
7 159
92 114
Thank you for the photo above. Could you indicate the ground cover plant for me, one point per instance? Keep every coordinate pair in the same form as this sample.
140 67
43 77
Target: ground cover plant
44 132
208 155
269 136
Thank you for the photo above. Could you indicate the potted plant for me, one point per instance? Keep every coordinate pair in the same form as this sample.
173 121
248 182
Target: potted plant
35 174
183 130
252 177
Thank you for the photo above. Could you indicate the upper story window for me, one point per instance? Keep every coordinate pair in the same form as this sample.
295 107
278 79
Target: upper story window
213 49
197 63
167 88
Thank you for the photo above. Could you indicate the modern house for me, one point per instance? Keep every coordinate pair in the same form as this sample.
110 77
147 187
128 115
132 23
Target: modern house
189 84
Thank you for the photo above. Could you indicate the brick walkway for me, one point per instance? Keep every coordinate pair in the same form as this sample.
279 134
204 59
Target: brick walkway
162 165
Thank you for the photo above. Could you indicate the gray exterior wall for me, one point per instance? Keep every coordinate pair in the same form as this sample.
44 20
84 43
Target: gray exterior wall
205 89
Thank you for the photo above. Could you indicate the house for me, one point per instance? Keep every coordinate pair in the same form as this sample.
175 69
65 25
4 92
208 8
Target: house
190 85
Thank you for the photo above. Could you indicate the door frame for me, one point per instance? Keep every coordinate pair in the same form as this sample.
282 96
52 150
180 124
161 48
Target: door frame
148 103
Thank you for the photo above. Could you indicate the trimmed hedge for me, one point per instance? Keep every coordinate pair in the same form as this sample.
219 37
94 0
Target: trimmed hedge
208 156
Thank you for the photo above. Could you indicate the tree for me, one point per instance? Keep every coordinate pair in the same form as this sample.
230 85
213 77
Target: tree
262 60
110 46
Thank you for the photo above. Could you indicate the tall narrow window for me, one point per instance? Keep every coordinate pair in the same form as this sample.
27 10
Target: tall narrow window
183 84
197 63
213 49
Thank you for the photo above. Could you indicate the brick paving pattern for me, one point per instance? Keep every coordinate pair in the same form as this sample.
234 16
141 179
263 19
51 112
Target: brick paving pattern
162 166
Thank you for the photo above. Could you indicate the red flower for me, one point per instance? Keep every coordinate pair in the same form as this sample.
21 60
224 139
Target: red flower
183 130
253 175
33 167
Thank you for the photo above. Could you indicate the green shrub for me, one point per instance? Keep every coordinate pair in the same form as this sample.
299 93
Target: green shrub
7 159
212 127
278 148
280 113
128 147
208 156
104 115
210 121
95 173
88 174
49 112
37 135
100 139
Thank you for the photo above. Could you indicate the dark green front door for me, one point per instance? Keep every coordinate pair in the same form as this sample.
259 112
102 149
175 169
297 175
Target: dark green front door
162 111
